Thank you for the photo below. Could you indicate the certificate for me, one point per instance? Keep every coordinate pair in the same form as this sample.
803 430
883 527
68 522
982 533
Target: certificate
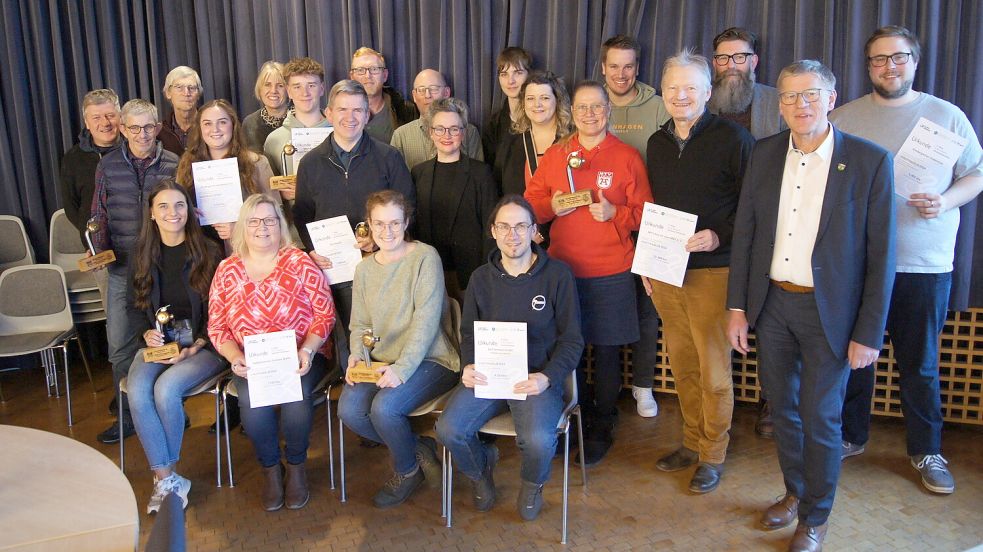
306 139
924 162
500 356
272 361
333 238
217 190
661 252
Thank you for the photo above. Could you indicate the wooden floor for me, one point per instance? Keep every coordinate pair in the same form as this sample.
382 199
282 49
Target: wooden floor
628 504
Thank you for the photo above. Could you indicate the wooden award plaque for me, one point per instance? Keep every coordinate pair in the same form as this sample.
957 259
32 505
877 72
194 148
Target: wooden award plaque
97 261
283 182
360 374
574 199
164 352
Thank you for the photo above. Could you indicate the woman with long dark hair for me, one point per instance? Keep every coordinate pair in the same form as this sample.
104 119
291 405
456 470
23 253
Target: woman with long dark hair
172 265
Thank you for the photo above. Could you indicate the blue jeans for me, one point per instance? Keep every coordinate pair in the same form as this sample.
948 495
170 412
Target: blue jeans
382 415
919 304
535 427
122 336
155 391
295 420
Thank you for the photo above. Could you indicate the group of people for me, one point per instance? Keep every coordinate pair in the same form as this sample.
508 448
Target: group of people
799 236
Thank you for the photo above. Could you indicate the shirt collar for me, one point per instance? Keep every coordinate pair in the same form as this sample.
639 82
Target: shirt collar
825 149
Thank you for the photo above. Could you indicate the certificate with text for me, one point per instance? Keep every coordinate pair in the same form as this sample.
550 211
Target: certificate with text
272 362
500 356
217 190
925 161
661 252
333 238
306 139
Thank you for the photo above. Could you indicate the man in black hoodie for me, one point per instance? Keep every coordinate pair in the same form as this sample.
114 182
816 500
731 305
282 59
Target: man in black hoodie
520 283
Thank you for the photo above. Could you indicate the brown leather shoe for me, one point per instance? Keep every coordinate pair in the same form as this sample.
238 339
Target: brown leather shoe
781 513
764 427
808 539
273 491
296 487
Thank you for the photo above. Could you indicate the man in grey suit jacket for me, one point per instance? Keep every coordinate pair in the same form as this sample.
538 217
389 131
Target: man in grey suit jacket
812 267
736 94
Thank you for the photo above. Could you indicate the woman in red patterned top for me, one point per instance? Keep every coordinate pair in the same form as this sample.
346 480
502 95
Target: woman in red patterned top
268 285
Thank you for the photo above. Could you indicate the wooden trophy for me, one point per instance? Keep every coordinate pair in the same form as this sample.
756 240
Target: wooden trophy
97 260
366 371
575 160
162 319
286 181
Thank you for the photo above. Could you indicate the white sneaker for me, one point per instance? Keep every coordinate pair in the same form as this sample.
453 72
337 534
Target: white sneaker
173 483
645 402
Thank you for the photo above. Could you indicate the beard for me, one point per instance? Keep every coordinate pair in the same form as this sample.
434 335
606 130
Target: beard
893 94
732 95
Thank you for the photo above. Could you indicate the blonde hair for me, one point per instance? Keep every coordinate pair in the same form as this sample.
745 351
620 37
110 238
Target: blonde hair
269 71
249 207
366 51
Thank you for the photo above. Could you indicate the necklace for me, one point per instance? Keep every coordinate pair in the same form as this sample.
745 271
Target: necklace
271 120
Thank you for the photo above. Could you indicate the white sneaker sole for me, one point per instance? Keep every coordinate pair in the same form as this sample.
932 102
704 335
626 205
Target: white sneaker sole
933 488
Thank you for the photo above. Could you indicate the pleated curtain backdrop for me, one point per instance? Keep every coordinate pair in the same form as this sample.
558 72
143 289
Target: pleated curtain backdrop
54 51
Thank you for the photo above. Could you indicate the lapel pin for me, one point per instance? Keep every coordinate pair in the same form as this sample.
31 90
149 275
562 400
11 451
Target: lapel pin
841 167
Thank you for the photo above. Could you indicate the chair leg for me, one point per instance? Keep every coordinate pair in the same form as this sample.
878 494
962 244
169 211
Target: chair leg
327 410
450 487
53 371
341 459
580 443
85 362
228 443
68 386
119 420
218 438
443 482
47 371
566 479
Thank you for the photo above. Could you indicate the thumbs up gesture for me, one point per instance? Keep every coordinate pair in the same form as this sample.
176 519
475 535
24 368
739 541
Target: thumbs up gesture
602 210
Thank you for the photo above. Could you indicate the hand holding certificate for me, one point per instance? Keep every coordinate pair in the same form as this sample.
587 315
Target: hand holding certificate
661 253
273 368
333 238
217 190
500 356
925 161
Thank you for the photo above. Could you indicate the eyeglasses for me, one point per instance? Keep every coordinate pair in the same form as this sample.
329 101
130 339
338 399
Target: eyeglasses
739 58
899 58
394 226
583 109
503 229
811 95
185 88
268 221
433 90
361 71
137 130
440 131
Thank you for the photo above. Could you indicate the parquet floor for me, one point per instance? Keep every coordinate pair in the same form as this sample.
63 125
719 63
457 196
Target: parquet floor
628 504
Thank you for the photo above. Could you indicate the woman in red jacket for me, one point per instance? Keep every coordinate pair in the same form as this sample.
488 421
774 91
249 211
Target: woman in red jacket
595 240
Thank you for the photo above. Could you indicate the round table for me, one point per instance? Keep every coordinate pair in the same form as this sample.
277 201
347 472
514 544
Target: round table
59 494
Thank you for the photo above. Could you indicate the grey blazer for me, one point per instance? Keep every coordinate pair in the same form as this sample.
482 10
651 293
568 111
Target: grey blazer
853 258
766 120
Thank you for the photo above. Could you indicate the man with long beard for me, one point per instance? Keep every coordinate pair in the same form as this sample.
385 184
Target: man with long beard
736 95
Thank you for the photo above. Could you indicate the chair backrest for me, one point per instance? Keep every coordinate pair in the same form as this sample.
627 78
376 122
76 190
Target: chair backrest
34 299
65 246
15 246
569 397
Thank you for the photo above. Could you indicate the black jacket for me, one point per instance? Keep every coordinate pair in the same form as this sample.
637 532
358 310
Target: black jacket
476 197
78 178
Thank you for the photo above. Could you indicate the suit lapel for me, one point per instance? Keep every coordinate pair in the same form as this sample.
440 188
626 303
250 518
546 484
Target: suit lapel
836 183
771 187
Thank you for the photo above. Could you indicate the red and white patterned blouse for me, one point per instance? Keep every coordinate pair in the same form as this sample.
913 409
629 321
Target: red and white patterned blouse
294 296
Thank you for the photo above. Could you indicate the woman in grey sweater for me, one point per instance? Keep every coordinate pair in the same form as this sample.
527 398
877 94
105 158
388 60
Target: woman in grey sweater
398 295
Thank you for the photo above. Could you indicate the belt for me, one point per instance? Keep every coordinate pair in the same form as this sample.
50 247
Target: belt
792 288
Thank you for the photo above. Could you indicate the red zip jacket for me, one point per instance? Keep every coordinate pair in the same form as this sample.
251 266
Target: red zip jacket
591 248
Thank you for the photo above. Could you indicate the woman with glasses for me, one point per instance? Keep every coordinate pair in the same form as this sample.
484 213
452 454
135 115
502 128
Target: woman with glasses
454 194
217 134
171 266
268 285
398 300
513 68
271 91
182 88
520 283
595 240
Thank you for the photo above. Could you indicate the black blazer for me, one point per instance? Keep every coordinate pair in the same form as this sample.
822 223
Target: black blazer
476 197
853 259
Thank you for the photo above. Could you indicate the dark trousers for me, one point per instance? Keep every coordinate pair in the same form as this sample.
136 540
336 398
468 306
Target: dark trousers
916 318
805 381
644 352
341 294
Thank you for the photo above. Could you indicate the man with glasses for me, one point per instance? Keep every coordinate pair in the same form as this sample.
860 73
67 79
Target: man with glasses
336 177
736 95
123 178
387 108
411 140
928 222
695 164
636 113
811 269
182 88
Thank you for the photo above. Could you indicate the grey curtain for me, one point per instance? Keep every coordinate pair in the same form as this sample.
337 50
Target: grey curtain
56 50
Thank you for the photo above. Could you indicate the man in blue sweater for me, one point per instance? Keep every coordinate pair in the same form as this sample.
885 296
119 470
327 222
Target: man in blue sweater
520 283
